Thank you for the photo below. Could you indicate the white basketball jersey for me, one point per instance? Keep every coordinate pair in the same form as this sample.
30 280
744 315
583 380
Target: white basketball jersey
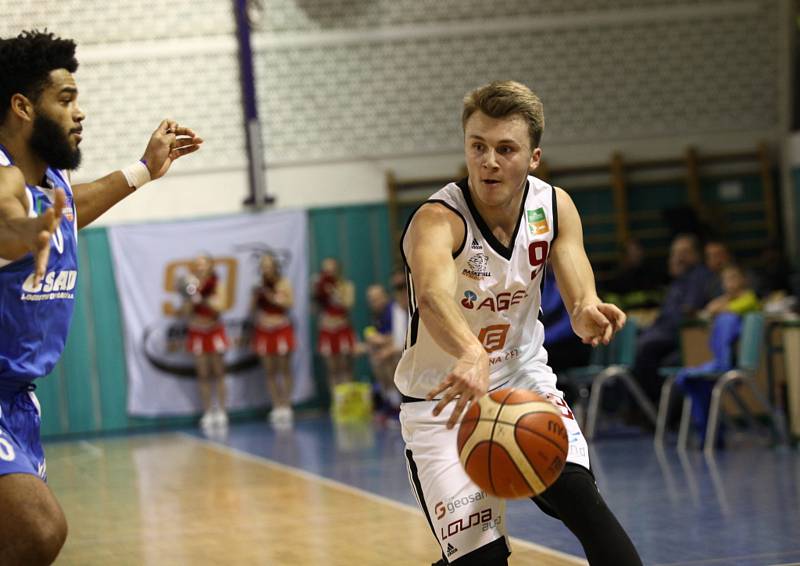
498 291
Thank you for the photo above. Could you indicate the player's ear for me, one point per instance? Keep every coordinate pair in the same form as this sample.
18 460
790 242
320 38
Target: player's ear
22 107
536 159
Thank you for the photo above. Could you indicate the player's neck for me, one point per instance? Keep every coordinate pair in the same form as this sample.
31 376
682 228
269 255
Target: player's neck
33 168
502 218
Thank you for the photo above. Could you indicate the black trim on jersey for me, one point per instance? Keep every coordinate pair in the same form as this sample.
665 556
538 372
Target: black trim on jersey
407 399
490 238
540 314
555 215
412 300
412 467
411 330
412 339
413 311
410 218
541 284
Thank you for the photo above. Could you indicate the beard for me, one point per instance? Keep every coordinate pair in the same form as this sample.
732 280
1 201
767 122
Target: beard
51 144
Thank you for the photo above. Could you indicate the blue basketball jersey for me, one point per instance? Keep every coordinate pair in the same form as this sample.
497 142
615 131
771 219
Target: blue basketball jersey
34 319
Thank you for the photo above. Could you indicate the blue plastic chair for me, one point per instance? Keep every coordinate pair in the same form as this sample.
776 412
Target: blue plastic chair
725 377
751 346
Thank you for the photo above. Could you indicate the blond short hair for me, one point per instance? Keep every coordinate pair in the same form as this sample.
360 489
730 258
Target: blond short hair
501 99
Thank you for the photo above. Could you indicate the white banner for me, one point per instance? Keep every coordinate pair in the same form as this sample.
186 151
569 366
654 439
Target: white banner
150 260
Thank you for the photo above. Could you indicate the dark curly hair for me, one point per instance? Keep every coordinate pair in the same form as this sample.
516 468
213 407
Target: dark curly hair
26 62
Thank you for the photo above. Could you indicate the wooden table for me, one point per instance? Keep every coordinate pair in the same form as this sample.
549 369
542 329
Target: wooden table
791 355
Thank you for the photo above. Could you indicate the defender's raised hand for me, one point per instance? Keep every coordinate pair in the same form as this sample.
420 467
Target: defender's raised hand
169 142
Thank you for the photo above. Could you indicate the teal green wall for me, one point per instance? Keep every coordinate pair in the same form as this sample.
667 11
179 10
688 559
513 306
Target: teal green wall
358 236
660 197
87 390
590 202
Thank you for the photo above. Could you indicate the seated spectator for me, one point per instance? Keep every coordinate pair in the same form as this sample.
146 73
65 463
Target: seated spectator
725 332
727 310
737 296
659 344
385 339
717 257
638 283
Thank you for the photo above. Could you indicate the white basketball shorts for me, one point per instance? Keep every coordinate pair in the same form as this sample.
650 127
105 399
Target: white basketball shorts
462 516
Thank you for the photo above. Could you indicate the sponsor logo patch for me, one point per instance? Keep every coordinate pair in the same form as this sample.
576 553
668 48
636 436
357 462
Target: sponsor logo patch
537 222
482 518
493 337
452 504
67 211
499 303
468 302
54 285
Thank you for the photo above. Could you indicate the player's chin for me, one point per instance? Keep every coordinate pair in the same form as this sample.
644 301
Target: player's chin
493 195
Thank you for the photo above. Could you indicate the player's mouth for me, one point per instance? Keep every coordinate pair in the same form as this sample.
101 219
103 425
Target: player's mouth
490 182
77 133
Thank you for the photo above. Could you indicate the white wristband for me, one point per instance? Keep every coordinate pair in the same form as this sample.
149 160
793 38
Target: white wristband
137 174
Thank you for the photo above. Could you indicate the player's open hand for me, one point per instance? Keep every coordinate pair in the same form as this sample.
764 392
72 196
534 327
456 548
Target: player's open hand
468 381
35 233
596 324
169 142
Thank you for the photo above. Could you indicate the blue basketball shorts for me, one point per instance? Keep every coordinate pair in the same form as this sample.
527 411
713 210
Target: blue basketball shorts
21 449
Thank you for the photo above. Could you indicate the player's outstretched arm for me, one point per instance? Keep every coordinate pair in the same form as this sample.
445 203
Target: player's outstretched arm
168 143
19 234
593 321
434 234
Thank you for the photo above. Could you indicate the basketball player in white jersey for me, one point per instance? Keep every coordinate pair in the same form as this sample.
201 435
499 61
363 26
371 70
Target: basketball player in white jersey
475 254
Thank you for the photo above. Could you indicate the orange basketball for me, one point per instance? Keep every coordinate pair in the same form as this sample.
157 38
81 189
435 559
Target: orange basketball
513 443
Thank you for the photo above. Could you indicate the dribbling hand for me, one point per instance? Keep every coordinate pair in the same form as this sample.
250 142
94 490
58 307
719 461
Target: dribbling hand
468 381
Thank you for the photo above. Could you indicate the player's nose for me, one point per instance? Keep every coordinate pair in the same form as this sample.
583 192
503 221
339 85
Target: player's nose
489 159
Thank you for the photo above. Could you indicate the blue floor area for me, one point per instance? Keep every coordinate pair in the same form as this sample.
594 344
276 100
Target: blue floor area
740 509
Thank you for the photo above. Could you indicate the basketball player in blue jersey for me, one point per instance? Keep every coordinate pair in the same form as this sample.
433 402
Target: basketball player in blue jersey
40 130
475 255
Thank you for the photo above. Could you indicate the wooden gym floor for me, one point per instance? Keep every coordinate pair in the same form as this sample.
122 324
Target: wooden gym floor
325 495
178 499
